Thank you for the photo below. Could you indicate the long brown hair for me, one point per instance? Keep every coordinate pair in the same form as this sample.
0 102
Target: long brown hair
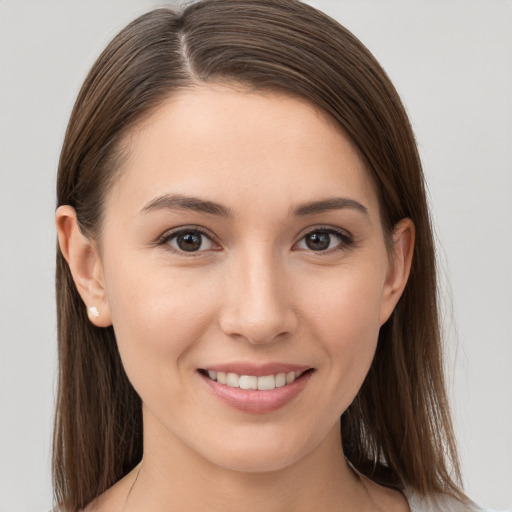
397 431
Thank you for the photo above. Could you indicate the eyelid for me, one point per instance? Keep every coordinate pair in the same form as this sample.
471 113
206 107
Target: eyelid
163 240
347 240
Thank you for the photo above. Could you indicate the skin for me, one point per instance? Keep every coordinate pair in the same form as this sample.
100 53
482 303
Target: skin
254 292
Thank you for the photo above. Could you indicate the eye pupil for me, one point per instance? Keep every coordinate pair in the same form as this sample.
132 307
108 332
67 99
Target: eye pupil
318 241
189 241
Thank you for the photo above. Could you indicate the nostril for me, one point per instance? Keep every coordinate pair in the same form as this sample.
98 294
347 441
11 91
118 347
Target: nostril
259 330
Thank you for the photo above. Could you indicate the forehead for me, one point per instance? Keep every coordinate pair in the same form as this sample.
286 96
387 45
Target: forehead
243 148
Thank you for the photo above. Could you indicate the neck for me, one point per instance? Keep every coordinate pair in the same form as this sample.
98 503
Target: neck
174 477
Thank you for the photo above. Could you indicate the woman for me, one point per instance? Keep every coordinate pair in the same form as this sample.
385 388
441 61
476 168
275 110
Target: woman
246 276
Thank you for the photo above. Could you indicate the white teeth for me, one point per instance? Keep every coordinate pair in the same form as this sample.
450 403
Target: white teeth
266 382
233 380
263 383
248 382
280 380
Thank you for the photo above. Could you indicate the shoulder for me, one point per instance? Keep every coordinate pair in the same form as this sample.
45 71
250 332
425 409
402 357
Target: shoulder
438 503
112 500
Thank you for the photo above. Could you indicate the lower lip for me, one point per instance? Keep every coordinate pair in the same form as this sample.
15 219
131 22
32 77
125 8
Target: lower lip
257 402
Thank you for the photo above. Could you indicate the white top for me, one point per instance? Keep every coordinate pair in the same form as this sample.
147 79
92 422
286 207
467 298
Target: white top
439 503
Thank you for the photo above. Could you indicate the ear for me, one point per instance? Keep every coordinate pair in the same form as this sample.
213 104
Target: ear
399 267
85 264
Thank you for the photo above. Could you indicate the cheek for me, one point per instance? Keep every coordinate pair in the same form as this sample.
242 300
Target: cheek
158 316
345 305
344 316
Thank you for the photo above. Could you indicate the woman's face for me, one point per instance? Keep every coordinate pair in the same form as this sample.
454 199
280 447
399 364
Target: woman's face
243 237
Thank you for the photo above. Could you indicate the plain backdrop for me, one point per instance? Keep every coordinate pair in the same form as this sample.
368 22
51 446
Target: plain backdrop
451 61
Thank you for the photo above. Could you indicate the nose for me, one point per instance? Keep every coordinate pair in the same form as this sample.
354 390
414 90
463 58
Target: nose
258 305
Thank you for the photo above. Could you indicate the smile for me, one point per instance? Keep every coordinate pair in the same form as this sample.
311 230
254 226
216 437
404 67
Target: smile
261 383
259 394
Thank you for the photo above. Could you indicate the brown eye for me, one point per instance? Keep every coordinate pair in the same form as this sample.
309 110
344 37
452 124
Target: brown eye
324 240
189 241
318 240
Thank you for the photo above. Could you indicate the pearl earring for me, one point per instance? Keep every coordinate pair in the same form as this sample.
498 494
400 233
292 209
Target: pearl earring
93 311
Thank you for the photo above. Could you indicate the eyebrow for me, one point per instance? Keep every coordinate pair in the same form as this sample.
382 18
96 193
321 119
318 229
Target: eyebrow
325 205
182 202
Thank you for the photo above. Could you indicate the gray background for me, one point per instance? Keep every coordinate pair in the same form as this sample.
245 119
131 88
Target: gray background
451 61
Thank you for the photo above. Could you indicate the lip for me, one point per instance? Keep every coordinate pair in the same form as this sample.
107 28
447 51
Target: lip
254 401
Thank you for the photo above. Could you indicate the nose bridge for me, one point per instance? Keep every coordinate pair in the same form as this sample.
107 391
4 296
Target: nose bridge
258 302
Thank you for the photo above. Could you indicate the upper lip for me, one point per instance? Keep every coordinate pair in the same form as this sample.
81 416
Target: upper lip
244 368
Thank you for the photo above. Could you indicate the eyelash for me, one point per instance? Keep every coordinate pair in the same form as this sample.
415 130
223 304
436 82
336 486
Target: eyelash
345 240
169 235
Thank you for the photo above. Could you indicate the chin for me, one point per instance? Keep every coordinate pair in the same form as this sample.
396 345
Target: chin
261 452
259 461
